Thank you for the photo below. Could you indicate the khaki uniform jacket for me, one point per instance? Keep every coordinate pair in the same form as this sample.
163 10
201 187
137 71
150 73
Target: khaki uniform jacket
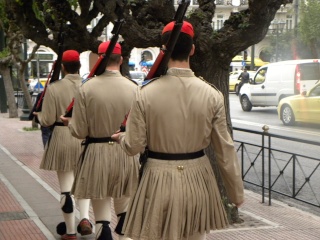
57 98
180 113
99 109
101 105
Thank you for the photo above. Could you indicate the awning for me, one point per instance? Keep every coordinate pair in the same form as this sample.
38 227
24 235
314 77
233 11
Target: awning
150 63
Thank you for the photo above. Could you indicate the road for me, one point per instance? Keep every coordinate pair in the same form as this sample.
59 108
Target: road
281 161
260 116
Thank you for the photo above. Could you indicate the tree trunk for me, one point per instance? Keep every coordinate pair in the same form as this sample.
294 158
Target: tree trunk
13 110
314 49
23 84
217 76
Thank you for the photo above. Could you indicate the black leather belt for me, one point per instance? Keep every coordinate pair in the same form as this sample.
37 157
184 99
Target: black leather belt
175 156
89 140
59 124
56 124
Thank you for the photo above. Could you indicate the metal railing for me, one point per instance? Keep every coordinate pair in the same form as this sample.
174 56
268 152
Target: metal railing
292 174
19 96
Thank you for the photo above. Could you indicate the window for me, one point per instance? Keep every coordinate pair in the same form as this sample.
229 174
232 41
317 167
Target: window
41 65
315 92
289 22
195 2
220 21
219 2
261 76
309 71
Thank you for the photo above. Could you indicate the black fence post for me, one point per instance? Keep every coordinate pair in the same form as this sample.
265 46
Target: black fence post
25 110
3 97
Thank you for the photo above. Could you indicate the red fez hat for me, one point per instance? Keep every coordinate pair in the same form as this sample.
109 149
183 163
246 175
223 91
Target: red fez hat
70 56
186 28
103 48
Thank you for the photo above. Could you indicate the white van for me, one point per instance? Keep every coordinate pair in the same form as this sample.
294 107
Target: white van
275 81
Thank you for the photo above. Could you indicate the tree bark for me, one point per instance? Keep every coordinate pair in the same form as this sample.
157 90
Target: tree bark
314 49
23 84
5 72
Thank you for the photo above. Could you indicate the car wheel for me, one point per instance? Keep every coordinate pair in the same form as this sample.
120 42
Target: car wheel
287 116
245 103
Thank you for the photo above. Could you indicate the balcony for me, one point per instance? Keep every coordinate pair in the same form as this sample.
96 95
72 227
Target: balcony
218 2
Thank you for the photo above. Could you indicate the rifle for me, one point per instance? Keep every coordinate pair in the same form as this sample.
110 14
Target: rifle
160 65
53 75
102 62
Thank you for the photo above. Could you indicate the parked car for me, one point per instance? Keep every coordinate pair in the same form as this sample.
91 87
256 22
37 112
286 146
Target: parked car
301 108
278 80
138 76
234 81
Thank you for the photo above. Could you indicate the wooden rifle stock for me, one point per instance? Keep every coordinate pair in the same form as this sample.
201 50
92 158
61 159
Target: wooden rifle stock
102 62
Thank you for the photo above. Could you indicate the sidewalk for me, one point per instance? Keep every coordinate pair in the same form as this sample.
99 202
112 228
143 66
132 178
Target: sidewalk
29 198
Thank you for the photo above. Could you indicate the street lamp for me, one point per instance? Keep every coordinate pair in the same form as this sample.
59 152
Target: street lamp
277 27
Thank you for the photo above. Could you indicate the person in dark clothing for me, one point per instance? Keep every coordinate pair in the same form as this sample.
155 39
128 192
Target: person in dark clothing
244 77
45 134
45 131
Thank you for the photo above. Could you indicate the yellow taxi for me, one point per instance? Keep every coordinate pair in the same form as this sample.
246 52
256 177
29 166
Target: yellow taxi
234 81
301 108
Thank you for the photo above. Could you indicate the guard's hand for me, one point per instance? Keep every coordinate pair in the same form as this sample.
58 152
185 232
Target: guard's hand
116 136
35 113
65 120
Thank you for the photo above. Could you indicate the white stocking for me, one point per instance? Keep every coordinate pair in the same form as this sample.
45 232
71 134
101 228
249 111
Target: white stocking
66 180
84 206
102 212
121 205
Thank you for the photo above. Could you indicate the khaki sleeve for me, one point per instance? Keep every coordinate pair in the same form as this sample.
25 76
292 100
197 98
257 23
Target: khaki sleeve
226 156
47 116
134 140
78 124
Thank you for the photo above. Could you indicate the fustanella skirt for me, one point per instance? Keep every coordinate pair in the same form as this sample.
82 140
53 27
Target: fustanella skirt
106 171
62 151
174 200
